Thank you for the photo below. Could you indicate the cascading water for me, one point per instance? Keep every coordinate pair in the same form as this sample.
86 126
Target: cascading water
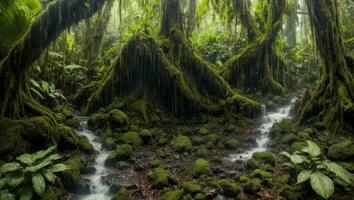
99 191
268 120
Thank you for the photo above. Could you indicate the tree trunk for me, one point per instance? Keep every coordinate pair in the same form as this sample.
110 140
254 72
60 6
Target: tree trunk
331 101
13 69
172 16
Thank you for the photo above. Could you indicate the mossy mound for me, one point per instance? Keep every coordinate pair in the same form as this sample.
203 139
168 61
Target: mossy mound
192 188
172 195
266 157
71 178
228 188
113 119
252 186
343 150
200 167
145 135
123 152
33 134
159 178
181 144
146 64
131 138
122 194
232 144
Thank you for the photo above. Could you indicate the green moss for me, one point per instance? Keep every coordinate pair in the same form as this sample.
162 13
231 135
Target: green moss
202 151
297 146
123 165
52 193
155 163
97 121
199 167
243 178
122 194
244 105
266 157
159 177
181 144
289 193
204 131
123 152
145 135
289 138
252 186
109 143
284 127
72 179
117 118
252 164
200 196
85 145
213 138
172 195
343 150
191 188
131 138
232 144
259 173
228 188
197 140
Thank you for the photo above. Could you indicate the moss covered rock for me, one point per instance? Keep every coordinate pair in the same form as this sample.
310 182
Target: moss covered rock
227 188
172 195
252 186
159 178
109 143
213 138
289 193
72 180
343 150
266 157
204 131
191 188
123 152
85 145
199 167
197 140
232 144
181 144
289 138
252 164
145 135
200 196
155 163
52 193
259 173
284 127
202 151
131 138
97 121
122 194
117 118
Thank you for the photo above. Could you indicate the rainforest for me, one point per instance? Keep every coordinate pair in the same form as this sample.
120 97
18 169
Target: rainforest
176 99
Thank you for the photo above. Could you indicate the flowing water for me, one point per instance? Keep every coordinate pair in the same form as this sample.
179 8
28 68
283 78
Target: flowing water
99 191
268 120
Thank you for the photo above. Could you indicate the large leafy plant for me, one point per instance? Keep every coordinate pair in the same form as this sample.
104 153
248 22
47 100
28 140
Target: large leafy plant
321 173
27 175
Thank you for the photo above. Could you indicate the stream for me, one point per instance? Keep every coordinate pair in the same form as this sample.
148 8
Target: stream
99 191
268 120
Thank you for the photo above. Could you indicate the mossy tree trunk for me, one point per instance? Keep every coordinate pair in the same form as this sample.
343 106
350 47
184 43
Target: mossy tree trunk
60 15
331 101
259 67
191 15
96 34
165 71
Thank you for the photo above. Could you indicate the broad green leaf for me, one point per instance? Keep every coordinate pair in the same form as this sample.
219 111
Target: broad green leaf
303 176
45 86
297 159
73 67
9 167
38 183
43 153
38 167
322 184
25 194
312 149
37 93
50 176
284 153
340 171
15 181
7 196
35 83
59 168
25 159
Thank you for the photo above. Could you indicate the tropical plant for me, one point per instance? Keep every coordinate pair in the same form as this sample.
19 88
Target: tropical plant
43 87
320 172
26 176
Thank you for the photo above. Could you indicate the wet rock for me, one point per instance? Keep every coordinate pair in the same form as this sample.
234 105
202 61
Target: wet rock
117 118
259 173
145 135
252 164
122 153
109 143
